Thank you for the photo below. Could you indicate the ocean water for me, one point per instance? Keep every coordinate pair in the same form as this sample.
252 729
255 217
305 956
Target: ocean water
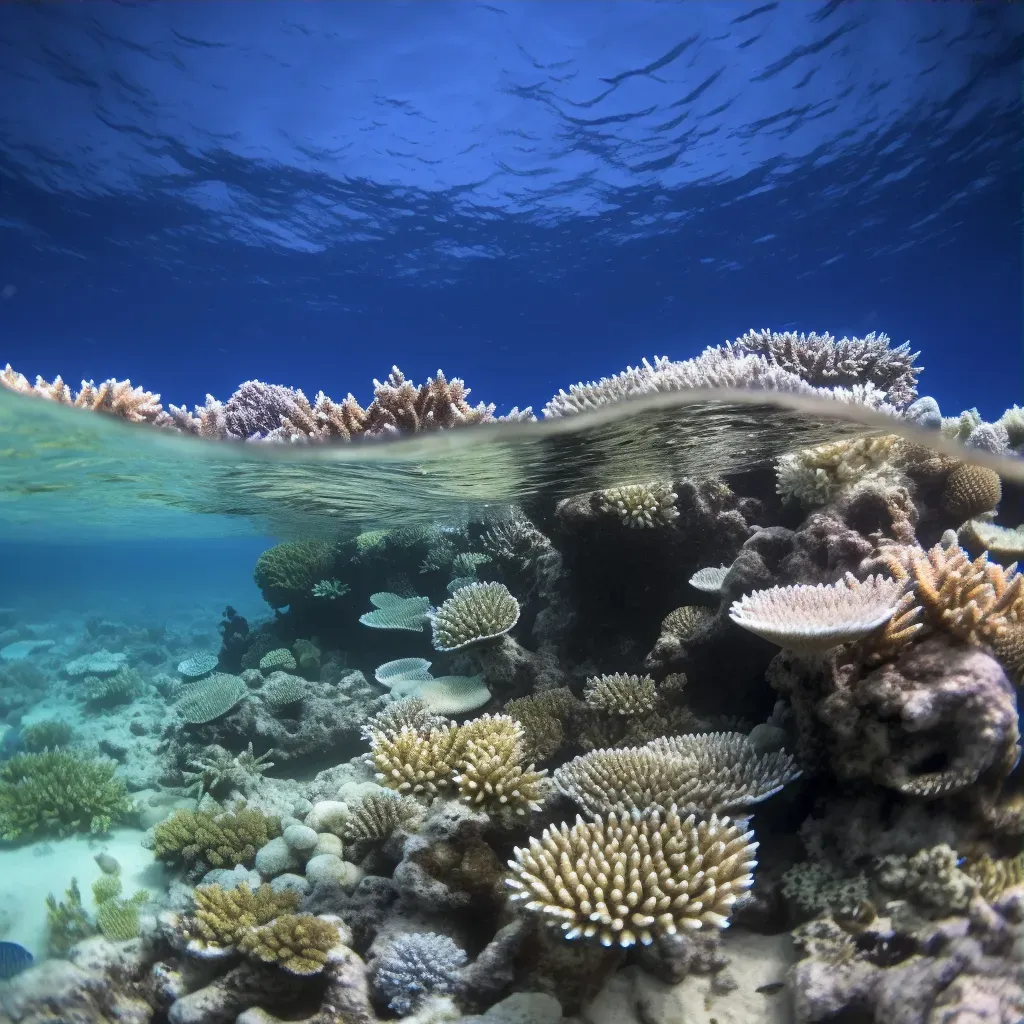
698 707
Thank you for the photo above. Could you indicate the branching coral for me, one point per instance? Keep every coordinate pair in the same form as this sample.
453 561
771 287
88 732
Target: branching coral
821 360
640 506
419 764
410 712
417 965
709 772
477 613
217 768
378 816
684 623
202 840
817 476
634 878
297 943
620 694
48 734
222 916
999 541
116 917
816 618
491 774
995 875
58 792
117 397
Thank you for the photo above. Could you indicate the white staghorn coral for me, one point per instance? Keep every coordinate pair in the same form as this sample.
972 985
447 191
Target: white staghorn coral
817 618
624 879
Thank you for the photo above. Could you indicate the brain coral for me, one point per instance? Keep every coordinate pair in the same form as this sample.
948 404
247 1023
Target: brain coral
626 879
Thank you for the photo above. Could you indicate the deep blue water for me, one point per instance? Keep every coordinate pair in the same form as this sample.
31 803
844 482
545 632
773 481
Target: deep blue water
525 194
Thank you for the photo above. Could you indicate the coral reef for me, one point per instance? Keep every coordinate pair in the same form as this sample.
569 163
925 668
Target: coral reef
201 839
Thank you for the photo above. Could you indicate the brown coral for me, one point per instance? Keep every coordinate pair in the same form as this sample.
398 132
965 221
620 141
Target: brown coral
633 879
971 491
544 717
297 943
222 916
202 840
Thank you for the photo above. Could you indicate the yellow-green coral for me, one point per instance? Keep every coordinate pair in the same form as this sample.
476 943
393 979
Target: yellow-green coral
419 764
66 921
288 572
995 875
222 916
117 918
201 839
58 792
48 734
640 506
297 943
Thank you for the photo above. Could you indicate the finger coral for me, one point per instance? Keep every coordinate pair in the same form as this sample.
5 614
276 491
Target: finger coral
474 614
627 879
222 916
297 943
704 772
640 506
491 774
58 792
816 618
420 764
202 840
620 694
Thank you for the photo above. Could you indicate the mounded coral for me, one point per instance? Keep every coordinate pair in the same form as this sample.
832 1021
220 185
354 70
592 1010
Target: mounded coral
59 792
632 879
287 572
970 491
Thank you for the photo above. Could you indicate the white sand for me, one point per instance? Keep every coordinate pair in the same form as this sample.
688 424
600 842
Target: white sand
28 873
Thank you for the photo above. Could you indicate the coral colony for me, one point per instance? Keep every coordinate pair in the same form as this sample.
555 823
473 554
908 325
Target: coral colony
531 768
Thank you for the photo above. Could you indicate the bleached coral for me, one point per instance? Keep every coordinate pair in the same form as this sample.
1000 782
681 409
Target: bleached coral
627 879
474 614
391 611
816 618
709 772
709 580
640 506
817 476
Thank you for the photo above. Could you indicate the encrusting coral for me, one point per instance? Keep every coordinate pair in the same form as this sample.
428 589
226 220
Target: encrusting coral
634 878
